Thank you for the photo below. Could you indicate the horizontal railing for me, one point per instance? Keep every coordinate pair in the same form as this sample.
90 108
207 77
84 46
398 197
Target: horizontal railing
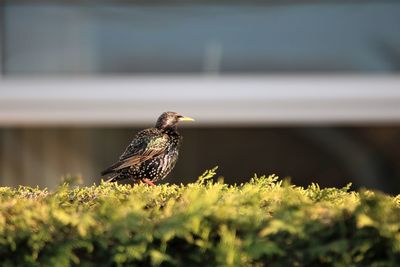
223 100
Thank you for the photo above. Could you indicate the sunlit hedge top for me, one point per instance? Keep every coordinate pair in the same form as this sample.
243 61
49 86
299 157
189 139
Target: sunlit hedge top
263 222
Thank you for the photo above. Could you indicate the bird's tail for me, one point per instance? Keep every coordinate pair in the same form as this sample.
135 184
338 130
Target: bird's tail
112 179
111 175
110 172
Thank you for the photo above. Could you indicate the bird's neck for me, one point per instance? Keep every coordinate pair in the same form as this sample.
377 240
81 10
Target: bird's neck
169 130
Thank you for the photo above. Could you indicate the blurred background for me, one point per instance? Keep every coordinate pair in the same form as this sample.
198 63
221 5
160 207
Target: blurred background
308 90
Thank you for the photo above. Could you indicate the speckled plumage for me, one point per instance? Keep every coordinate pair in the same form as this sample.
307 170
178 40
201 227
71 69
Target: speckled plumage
152 154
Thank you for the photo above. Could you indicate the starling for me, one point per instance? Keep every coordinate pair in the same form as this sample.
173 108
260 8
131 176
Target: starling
152 154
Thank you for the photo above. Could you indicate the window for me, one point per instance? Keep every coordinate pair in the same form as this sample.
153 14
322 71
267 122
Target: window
212 37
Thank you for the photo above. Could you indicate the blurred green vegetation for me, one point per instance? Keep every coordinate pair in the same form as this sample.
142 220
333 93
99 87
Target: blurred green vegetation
265 222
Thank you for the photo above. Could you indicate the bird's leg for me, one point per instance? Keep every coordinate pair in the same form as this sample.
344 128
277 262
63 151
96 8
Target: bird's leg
147 181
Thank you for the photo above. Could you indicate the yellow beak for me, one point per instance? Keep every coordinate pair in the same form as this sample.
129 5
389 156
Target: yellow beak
185 119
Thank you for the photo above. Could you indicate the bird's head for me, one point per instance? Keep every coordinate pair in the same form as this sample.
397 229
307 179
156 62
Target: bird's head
169 120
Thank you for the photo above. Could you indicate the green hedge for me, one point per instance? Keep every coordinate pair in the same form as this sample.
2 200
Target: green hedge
261 223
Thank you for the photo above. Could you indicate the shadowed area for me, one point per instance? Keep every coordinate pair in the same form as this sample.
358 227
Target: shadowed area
366 156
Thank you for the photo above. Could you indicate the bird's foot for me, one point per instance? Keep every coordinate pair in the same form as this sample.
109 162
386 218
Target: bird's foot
147 181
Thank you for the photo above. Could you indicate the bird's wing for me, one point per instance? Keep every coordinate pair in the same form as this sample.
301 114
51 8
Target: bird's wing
147 144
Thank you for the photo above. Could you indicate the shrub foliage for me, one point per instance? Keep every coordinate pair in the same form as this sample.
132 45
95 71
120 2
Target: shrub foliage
261 223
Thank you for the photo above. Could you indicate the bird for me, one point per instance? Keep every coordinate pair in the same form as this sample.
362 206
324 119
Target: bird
152 153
